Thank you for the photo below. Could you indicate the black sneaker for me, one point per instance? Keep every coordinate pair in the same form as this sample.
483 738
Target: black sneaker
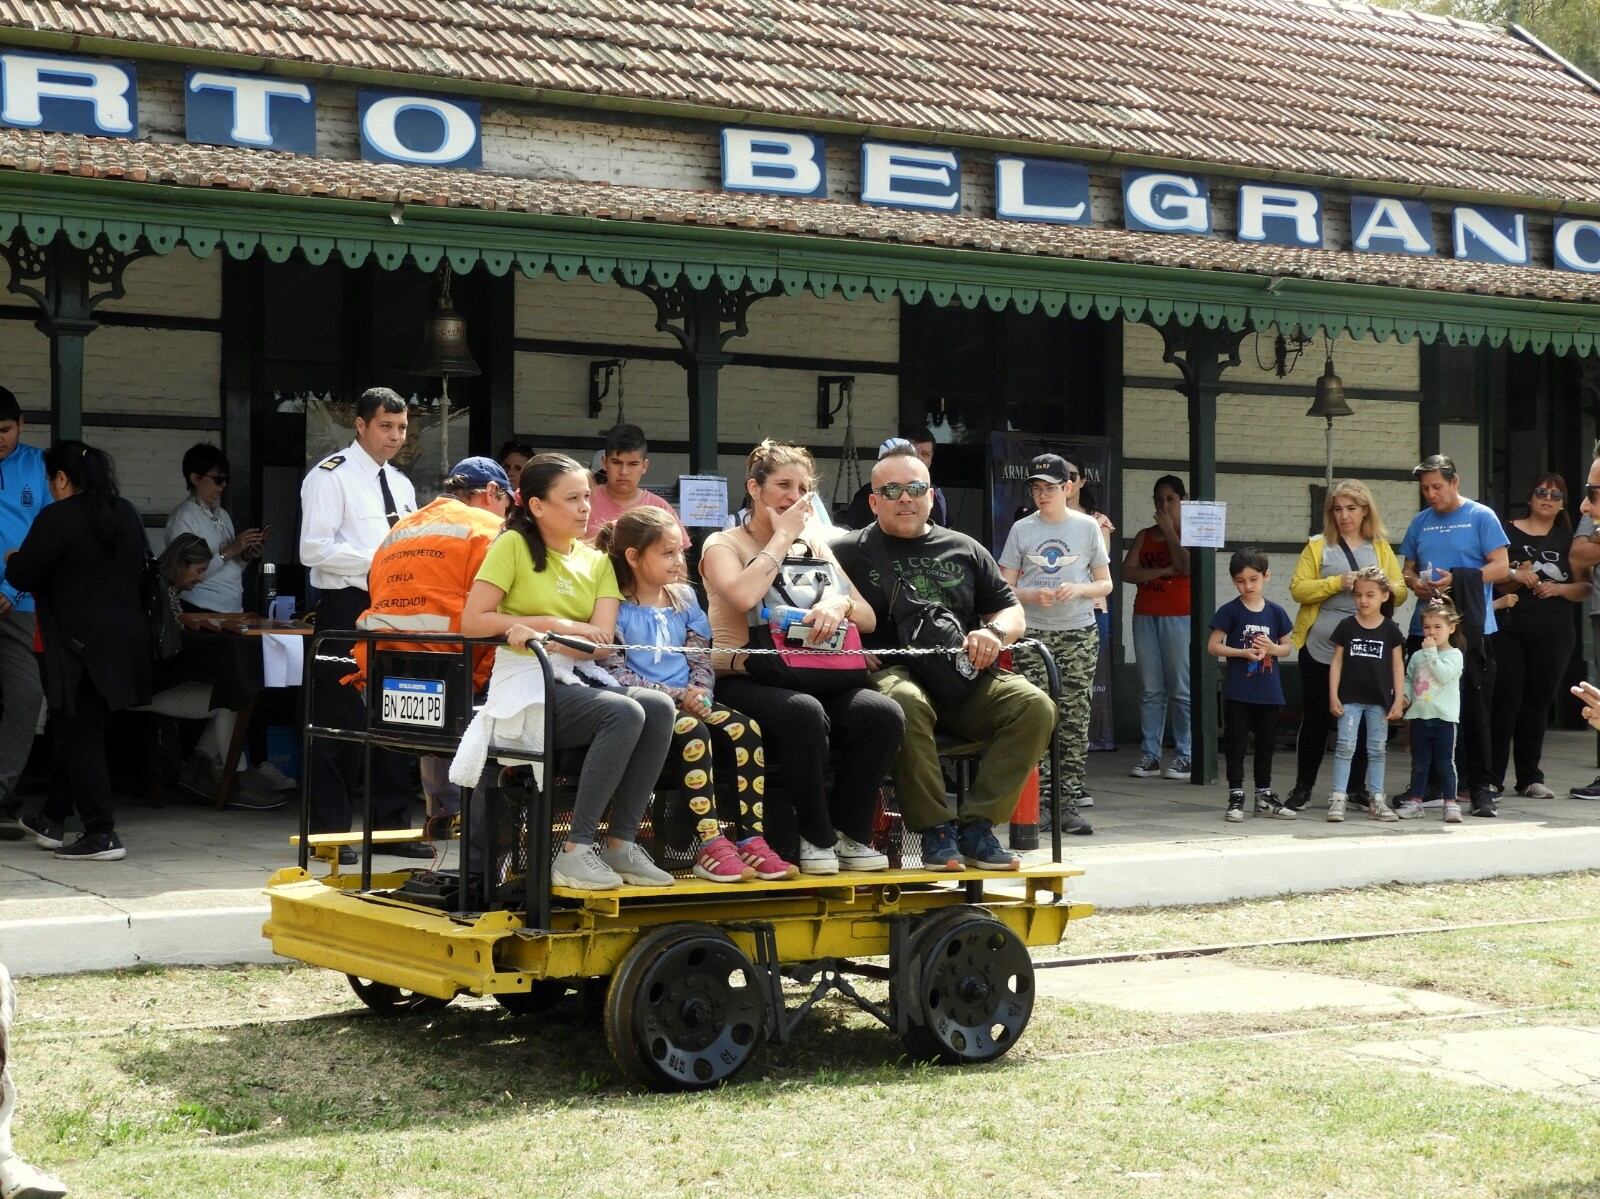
1268 804
1361 800
347 855
1235 812
1072 822
1592 791
94 847
406 849
1080 798
1483 802
1299 796
47 833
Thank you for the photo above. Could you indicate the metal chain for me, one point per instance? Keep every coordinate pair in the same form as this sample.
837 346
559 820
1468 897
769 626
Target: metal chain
909 652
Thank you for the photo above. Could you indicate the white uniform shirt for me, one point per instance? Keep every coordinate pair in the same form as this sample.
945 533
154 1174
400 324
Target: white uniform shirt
222 588
342 517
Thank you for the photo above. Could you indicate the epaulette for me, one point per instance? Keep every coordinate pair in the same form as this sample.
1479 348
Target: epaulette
333 463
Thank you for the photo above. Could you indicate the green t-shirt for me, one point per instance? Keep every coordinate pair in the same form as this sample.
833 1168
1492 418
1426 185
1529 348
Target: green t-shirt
567 587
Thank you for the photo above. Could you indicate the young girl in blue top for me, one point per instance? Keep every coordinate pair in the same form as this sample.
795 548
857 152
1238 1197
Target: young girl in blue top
1433 705
708 739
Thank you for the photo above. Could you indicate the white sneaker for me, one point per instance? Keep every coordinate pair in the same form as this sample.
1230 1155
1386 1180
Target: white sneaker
273 779
1336 803
635 866
814 859
853 855
1381 811
1536 791
19 1180
582 869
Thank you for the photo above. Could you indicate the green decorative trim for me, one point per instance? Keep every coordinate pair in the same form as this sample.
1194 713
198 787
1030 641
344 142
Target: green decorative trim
44 207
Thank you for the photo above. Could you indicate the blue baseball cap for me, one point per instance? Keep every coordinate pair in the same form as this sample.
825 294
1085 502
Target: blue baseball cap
480 472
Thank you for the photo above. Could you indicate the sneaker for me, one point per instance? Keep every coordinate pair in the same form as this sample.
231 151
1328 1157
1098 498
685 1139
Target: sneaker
583 869
47 833
853 855
19 1180
1079 797
406 849
1592 791
939 849
1410 808
1072 823
1336 805
1361 801
1297 798
817 859
759 856
719 862
200 774
347 855
1178 770
1531 791
1268 804
981 849
634 865
251 796
1149 768
1452 812
1483 803
10 827
273 779
94 847
1235 812
1380 810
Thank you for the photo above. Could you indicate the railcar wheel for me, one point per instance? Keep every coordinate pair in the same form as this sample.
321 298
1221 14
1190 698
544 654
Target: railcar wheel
684 1011
542 995
975 992
387 1000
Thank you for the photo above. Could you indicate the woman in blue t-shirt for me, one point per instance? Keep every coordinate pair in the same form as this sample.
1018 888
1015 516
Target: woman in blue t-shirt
709 740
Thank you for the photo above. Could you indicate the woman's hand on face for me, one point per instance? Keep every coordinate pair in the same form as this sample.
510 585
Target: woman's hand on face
793 520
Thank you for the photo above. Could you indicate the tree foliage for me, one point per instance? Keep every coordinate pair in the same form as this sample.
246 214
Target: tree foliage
1569 27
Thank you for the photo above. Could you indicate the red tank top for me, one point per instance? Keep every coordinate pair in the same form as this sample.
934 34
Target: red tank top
1159 597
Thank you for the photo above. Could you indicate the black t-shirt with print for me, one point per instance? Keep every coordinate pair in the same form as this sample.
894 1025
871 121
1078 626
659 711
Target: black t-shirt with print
942 566
1367 676
1548 556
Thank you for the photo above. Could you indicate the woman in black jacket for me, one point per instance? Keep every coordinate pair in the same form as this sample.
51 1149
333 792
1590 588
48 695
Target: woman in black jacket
83 560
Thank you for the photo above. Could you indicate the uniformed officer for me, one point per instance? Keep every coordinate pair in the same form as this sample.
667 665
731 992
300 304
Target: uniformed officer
348 503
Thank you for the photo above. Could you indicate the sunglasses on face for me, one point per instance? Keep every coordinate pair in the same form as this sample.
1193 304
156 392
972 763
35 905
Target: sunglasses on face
216 478
892 491
1548 493
1591 492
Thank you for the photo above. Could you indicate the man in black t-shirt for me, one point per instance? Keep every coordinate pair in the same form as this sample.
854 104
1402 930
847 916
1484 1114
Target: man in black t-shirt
1005 712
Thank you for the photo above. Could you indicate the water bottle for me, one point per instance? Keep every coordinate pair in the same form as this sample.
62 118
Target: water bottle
780 617
269 589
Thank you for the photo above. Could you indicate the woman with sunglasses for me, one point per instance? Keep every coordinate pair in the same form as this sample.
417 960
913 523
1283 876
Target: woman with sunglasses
1536 635
221 587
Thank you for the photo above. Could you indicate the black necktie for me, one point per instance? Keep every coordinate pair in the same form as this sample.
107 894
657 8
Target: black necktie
389 510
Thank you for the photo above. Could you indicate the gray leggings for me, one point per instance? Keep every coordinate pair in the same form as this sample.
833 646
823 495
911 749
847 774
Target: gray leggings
628 733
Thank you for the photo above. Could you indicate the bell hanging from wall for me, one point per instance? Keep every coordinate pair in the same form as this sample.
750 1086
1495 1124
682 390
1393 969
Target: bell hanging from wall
445 354
1330 401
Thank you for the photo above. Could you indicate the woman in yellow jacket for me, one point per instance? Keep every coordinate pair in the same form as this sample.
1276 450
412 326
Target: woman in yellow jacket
1353 537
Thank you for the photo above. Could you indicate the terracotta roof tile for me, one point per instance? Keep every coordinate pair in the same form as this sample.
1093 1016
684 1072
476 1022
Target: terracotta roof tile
1324 87
174 164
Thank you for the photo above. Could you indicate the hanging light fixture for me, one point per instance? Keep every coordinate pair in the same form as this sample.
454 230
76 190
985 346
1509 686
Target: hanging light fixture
1329 403
445 356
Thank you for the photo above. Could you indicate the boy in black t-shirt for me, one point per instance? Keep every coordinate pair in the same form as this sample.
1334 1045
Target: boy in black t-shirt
1251 633
1366 686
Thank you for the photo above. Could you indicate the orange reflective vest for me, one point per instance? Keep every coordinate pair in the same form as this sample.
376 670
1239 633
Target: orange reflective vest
421 574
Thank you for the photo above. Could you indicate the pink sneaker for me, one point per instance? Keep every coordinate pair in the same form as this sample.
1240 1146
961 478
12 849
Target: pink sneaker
718 862
758 855
1452 812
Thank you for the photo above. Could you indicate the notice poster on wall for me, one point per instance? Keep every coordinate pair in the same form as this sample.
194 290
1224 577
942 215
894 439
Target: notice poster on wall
1205 524
703 501
1009 455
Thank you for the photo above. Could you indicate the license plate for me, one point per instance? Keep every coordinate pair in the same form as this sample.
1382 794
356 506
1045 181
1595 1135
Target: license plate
414 701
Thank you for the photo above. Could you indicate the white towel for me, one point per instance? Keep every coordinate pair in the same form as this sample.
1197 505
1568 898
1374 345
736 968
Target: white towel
282 659
515 706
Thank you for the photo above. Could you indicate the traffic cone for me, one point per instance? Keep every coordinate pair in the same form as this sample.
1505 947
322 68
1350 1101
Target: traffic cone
1024 830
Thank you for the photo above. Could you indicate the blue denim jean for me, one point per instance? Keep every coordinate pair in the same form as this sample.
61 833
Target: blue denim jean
1161 647
1433 758
1375 719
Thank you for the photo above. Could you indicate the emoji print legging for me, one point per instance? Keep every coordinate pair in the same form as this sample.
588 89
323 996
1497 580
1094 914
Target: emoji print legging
724 748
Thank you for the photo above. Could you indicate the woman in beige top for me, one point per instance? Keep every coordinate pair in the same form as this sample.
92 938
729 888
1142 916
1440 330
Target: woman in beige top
858 728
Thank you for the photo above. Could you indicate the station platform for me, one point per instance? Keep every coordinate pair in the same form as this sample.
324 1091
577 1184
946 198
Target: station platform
190 890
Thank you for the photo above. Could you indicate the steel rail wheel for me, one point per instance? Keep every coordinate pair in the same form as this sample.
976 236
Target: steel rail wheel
684 1011
542 995
388 1000
974 993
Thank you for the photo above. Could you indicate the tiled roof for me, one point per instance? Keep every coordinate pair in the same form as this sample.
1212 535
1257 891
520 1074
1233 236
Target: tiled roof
182 166
1314 87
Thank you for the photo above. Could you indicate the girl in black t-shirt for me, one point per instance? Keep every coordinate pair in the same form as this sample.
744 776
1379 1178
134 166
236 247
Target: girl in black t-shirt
1536 634
1365 684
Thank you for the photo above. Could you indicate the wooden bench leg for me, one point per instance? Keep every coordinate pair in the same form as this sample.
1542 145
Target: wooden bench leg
228 776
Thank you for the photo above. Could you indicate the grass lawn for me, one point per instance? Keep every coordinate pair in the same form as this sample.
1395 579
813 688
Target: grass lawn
256 1081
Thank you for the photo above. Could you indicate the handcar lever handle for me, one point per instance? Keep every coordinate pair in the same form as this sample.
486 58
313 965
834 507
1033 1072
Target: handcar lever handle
573 643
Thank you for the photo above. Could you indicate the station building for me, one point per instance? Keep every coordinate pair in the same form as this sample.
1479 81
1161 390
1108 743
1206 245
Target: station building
1140 230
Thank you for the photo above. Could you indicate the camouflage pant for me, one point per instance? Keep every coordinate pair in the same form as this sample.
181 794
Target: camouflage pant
1076 652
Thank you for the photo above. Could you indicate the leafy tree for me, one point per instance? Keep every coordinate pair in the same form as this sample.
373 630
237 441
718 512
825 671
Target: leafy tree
1569 27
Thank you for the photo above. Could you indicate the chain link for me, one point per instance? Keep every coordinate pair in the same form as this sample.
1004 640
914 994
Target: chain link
909 652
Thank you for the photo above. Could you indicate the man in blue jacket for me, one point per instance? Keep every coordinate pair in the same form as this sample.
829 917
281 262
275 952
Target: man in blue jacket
24 490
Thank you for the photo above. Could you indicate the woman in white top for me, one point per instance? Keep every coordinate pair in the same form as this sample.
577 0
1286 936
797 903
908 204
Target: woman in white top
221 588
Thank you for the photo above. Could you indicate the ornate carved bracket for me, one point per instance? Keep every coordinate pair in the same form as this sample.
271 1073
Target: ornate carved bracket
702 321
1200 354
67 284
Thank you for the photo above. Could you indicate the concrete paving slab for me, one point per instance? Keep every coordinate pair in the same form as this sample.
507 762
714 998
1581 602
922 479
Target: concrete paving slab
1183 985
1556 1063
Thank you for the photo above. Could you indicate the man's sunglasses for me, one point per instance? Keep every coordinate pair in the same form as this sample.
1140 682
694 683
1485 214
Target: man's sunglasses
1591 492
891 491
1549 493
217 478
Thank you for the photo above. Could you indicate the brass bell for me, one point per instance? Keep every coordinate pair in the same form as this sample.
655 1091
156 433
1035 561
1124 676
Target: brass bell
1330 401
444 345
